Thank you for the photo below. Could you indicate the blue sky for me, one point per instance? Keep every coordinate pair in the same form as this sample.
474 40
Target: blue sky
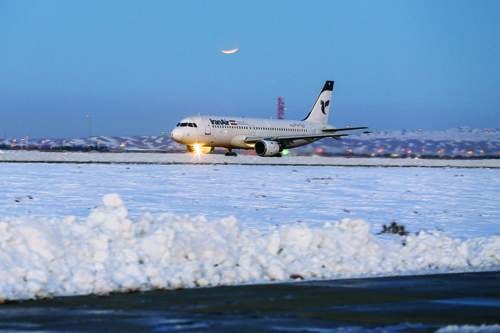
139 66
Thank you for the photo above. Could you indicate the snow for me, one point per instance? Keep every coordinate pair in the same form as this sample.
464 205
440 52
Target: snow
177 226
469 329
460 202
110 251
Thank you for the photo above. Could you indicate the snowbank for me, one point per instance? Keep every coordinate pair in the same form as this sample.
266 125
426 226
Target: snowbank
108 252
470 329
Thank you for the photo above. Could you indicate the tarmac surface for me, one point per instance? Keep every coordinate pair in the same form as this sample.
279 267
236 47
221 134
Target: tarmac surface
391 304
21 156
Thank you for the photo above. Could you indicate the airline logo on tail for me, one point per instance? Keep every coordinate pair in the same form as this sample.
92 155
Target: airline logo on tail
324 105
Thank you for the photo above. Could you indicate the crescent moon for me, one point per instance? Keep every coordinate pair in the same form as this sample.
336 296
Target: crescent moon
231 51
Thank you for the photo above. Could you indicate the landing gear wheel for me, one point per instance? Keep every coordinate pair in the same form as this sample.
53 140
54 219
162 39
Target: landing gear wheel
230 153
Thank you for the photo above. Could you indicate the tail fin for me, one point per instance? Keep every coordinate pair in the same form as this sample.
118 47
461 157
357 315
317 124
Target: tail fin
320 110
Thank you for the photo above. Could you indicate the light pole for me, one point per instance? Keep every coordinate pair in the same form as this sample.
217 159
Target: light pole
88 116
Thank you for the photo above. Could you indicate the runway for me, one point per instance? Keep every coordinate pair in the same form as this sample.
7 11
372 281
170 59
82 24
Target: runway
219 159
394 304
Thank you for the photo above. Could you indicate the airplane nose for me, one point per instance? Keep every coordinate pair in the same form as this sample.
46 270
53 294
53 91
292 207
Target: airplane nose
176 135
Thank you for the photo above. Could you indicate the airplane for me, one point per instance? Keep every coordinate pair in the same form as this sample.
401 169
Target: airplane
267 137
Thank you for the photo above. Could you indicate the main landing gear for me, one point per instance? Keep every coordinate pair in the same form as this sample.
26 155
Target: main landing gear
230 152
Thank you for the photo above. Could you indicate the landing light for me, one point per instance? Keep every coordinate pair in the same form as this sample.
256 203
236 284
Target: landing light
197 149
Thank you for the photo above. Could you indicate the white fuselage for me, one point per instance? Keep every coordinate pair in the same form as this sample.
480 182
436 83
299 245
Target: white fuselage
231 132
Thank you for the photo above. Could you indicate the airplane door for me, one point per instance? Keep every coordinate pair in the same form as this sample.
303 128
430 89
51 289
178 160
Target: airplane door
208 130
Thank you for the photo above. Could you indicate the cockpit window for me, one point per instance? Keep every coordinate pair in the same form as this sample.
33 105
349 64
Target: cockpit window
186 125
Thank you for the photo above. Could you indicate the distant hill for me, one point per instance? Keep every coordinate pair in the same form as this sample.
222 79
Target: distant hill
460 142
452 143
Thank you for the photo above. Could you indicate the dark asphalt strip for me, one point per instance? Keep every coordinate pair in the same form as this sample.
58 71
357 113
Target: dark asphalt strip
409 303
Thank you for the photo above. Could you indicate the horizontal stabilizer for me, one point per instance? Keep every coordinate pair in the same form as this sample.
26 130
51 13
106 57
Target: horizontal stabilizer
343 129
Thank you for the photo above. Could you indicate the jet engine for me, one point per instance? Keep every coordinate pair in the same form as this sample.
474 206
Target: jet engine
267 148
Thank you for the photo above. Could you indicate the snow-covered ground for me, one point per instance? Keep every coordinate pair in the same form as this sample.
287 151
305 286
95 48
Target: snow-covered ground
460 202
174 227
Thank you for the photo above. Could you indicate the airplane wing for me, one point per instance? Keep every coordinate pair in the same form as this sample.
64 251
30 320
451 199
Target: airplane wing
326 133
254 139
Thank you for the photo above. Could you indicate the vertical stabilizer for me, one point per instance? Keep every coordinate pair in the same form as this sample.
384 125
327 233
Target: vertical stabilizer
321 108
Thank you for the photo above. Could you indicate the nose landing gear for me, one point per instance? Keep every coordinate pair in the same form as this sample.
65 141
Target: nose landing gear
230 152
